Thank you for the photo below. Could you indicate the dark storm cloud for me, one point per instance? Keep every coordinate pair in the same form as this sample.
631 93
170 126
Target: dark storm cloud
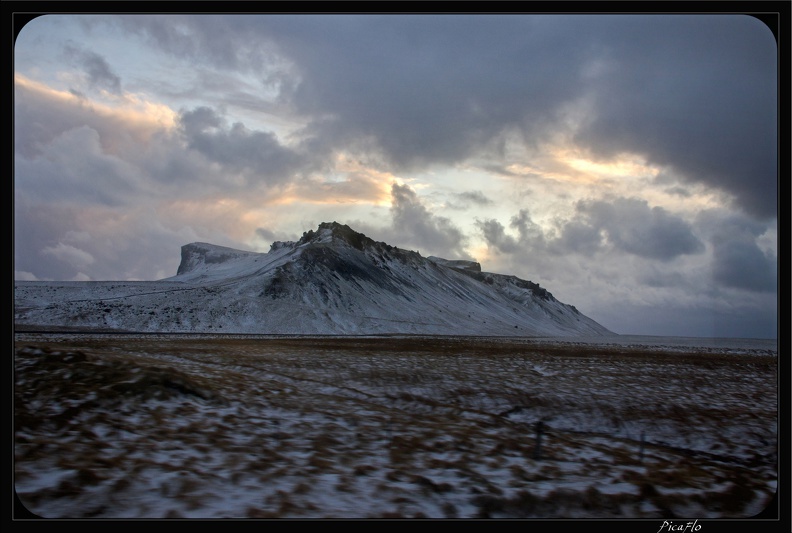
742 265
432 90
424 89
697 93
98 72
738 261
258 154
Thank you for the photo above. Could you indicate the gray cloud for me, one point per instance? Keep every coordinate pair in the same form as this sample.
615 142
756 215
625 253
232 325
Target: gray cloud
76 169
495 235
630 225
697 93
50 241
25 276
529 231
722 289
738 261
578 236
61 241
474 197
266 235
462 201
431 90
626 224
700 320
37 227
742 265
679 191
97 70
423 89
59 145
662 278
258 154
38 120
415 227
69 254
531 237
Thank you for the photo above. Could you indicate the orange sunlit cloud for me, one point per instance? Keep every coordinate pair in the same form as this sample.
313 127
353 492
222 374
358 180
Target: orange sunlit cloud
132 113
350 191
224 215
623 166
350 182
568 165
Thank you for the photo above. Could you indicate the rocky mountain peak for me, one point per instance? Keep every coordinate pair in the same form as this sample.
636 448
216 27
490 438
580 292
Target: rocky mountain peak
196 254
333 232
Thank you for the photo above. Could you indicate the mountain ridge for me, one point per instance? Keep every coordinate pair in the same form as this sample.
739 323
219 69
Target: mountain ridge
333 280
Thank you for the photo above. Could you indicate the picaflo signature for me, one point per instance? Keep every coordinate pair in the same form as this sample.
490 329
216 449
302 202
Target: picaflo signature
679 527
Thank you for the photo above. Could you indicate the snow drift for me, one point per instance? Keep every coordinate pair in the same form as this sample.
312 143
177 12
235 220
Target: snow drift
332 281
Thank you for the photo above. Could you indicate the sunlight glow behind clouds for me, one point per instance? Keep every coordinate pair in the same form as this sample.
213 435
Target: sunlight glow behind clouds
623 166
560 150
135 111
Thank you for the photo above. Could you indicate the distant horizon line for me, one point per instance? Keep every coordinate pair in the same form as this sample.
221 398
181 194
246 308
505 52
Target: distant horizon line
557 338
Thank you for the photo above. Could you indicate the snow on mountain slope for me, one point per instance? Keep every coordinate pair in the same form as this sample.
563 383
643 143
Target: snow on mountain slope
332 281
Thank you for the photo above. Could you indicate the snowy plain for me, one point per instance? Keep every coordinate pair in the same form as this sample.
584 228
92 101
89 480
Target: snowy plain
124 426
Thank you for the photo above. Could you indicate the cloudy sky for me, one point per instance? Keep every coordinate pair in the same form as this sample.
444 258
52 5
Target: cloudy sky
627 163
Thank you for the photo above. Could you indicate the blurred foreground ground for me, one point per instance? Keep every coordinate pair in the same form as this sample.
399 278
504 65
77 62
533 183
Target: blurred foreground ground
125 426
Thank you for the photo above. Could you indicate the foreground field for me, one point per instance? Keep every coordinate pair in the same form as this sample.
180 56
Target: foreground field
125 426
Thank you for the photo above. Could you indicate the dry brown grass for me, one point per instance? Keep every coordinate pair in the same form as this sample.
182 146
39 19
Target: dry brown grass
395 426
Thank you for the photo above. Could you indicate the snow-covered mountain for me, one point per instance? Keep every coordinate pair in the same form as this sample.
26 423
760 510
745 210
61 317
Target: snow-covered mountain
332 281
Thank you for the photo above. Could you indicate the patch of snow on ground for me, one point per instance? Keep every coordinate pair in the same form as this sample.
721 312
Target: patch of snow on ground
389 427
